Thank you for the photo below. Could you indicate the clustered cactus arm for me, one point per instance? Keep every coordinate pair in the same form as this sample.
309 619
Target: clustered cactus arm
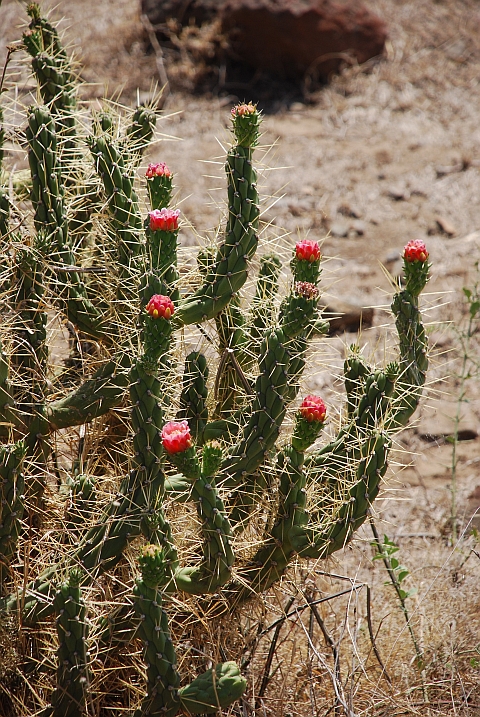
69 699
48 201
216 688
12 486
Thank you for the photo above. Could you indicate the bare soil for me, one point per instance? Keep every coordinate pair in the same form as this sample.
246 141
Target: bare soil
385 153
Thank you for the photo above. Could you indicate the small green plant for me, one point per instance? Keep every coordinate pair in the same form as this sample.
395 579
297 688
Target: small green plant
386 550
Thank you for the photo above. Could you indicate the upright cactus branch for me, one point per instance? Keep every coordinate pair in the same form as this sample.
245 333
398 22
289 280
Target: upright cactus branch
12 486
70 696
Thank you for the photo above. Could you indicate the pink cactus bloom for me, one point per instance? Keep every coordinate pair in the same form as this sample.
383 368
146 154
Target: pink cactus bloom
157 170
176 437
243 109
306 289
307 250
164 219
415 250
160 306
313 409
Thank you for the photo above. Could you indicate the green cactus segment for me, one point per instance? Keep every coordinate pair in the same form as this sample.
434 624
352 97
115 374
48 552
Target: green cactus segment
52 69
235 358
246 121
162 677
82 502
261 315
93 398
163 274
12 486
31 352
228 273
138 136
69 699
160 188
122 202
417 274
261 432
50 219
215 569
297 350
8 416
355 370
43 36
413 361
323 536
193 398
217 688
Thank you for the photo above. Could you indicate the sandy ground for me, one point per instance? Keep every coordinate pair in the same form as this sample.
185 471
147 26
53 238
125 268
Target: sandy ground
384 154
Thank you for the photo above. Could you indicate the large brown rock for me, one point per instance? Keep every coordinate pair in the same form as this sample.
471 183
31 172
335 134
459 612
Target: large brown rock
293 37
184 12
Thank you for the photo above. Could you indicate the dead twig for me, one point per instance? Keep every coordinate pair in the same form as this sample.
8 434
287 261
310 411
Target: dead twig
372 637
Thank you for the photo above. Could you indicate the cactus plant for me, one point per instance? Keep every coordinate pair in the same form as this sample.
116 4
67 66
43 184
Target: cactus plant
207 430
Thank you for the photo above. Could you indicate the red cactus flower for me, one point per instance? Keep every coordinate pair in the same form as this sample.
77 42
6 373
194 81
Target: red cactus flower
157 170
307 250
176 436
415 250
313 409
164 219
306 289
160 306
243 109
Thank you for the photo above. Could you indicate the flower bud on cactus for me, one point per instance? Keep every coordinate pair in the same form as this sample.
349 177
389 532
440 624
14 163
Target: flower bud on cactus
306 289
159 185
307 250
165 220
415 250
176 437
157 170
415 266
160 306
308 422
212 456
313 409
152 565
246 120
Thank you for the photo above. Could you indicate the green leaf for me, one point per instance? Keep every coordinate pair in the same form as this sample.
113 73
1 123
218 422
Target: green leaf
402 574
394 563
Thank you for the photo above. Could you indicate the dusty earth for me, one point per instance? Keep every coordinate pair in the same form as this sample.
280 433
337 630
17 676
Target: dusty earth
385 153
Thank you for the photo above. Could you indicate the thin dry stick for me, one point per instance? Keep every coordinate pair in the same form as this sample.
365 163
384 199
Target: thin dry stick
271 652
336 657
157 48
300 608
372 637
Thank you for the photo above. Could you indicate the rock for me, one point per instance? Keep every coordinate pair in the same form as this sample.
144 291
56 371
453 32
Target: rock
339 229
345 316
446 226
438 422
347 211
184 12
293 37
398 193
358 226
